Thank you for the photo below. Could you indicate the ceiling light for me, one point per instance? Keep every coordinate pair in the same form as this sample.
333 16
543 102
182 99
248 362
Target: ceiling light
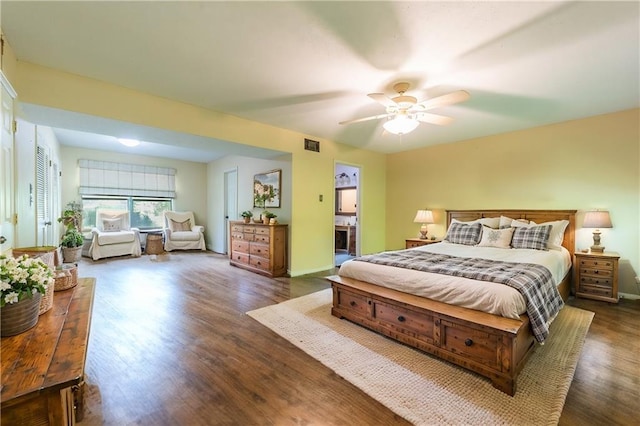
129 142
401 124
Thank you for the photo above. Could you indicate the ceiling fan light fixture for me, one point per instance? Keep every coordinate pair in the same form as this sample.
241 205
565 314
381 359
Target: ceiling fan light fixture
401 124
129 142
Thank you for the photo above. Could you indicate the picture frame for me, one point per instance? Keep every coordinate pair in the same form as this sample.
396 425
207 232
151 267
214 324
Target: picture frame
266 189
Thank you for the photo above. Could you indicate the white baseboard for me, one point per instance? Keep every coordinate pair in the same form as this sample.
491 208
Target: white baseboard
629 296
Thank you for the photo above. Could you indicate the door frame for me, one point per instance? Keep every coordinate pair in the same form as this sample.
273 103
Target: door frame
359 210
230 180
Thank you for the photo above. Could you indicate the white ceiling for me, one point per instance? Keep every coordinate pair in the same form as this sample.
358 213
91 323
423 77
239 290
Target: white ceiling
305 66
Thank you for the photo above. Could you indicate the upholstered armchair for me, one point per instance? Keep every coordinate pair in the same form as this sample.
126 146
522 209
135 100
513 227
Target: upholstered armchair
112 235
181 232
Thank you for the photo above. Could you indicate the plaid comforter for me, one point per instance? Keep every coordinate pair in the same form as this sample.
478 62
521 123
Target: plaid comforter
534 282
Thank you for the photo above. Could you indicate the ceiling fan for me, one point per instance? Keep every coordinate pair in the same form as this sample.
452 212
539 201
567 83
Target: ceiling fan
404 113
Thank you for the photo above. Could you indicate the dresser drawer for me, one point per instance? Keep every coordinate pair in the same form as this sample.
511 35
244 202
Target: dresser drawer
260 262
261 238
240 257
419 326
237 228
473 344
240 246
263 231
596 264
261 250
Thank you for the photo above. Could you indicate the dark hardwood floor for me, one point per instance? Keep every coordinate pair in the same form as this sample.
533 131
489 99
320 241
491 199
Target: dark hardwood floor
170 344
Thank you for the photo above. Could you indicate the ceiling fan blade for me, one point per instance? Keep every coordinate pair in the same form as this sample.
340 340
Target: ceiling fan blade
382 99
358 120
444 100
427 117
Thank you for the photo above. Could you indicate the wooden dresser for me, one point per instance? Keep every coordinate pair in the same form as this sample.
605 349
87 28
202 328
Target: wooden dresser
259 248
596 276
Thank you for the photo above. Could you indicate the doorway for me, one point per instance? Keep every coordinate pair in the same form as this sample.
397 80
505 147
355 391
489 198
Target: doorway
230 203
347 213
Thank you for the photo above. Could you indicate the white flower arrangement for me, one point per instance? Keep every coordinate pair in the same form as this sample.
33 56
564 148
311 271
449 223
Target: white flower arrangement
22 277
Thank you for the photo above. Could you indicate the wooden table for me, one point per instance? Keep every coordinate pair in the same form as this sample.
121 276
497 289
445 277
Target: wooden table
43 368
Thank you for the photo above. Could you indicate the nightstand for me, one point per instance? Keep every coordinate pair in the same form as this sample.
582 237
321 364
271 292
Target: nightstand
596 276
417 242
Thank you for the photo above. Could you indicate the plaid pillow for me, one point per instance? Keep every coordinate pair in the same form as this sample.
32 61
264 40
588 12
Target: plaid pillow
532 237
461 233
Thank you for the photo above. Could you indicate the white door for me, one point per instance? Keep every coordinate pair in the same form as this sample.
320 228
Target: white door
25 174
230 203
44 235
7 205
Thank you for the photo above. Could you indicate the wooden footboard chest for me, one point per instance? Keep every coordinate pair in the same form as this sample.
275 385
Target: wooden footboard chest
492 346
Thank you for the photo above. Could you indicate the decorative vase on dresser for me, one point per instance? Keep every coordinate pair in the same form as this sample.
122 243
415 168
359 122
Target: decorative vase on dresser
259 248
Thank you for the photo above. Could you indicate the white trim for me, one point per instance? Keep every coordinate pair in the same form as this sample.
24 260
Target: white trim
629 296
7 85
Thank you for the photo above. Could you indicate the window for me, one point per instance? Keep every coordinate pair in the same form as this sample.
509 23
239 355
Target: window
146 192
144 213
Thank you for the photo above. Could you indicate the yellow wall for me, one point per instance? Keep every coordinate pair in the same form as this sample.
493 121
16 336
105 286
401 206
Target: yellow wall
312 173
593 163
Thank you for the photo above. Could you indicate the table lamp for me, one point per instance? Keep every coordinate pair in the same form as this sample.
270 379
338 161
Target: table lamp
424 217
597 219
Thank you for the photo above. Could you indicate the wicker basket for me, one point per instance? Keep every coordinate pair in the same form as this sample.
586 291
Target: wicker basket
46 301
154 244
64 279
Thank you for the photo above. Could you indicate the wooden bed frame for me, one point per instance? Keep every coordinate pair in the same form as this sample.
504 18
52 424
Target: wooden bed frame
492 346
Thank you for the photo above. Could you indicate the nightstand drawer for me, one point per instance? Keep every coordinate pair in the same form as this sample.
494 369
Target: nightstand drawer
412 244
596 272
596 290
601 280
596 264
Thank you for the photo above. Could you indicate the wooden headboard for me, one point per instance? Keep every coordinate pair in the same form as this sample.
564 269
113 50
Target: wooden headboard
538 216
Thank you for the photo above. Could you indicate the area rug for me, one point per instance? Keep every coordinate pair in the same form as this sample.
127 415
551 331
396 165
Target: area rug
421 388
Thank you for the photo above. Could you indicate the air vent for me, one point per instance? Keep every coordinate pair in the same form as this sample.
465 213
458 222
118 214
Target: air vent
311 145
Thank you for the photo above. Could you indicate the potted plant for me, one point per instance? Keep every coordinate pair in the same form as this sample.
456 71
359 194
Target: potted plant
71 244
23 281
72 240
267 216
247 215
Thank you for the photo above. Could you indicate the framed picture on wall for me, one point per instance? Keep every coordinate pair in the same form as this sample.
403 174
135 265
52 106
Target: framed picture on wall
266 189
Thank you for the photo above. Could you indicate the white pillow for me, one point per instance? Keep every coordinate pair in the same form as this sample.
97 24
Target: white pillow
506 222
491 222
556 237
111 225
500 238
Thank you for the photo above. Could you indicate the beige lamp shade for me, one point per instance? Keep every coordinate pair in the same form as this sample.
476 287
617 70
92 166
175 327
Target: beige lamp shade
424 217
597 219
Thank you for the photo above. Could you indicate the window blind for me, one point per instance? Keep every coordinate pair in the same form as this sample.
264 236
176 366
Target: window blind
131 180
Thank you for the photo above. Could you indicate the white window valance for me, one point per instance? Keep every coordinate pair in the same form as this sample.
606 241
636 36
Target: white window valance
131 180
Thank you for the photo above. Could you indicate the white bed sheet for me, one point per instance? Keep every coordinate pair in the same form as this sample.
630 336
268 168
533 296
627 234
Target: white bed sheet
494 298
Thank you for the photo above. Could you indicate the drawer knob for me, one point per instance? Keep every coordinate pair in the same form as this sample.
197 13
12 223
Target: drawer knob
352 303
596 271
401 318
468 342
